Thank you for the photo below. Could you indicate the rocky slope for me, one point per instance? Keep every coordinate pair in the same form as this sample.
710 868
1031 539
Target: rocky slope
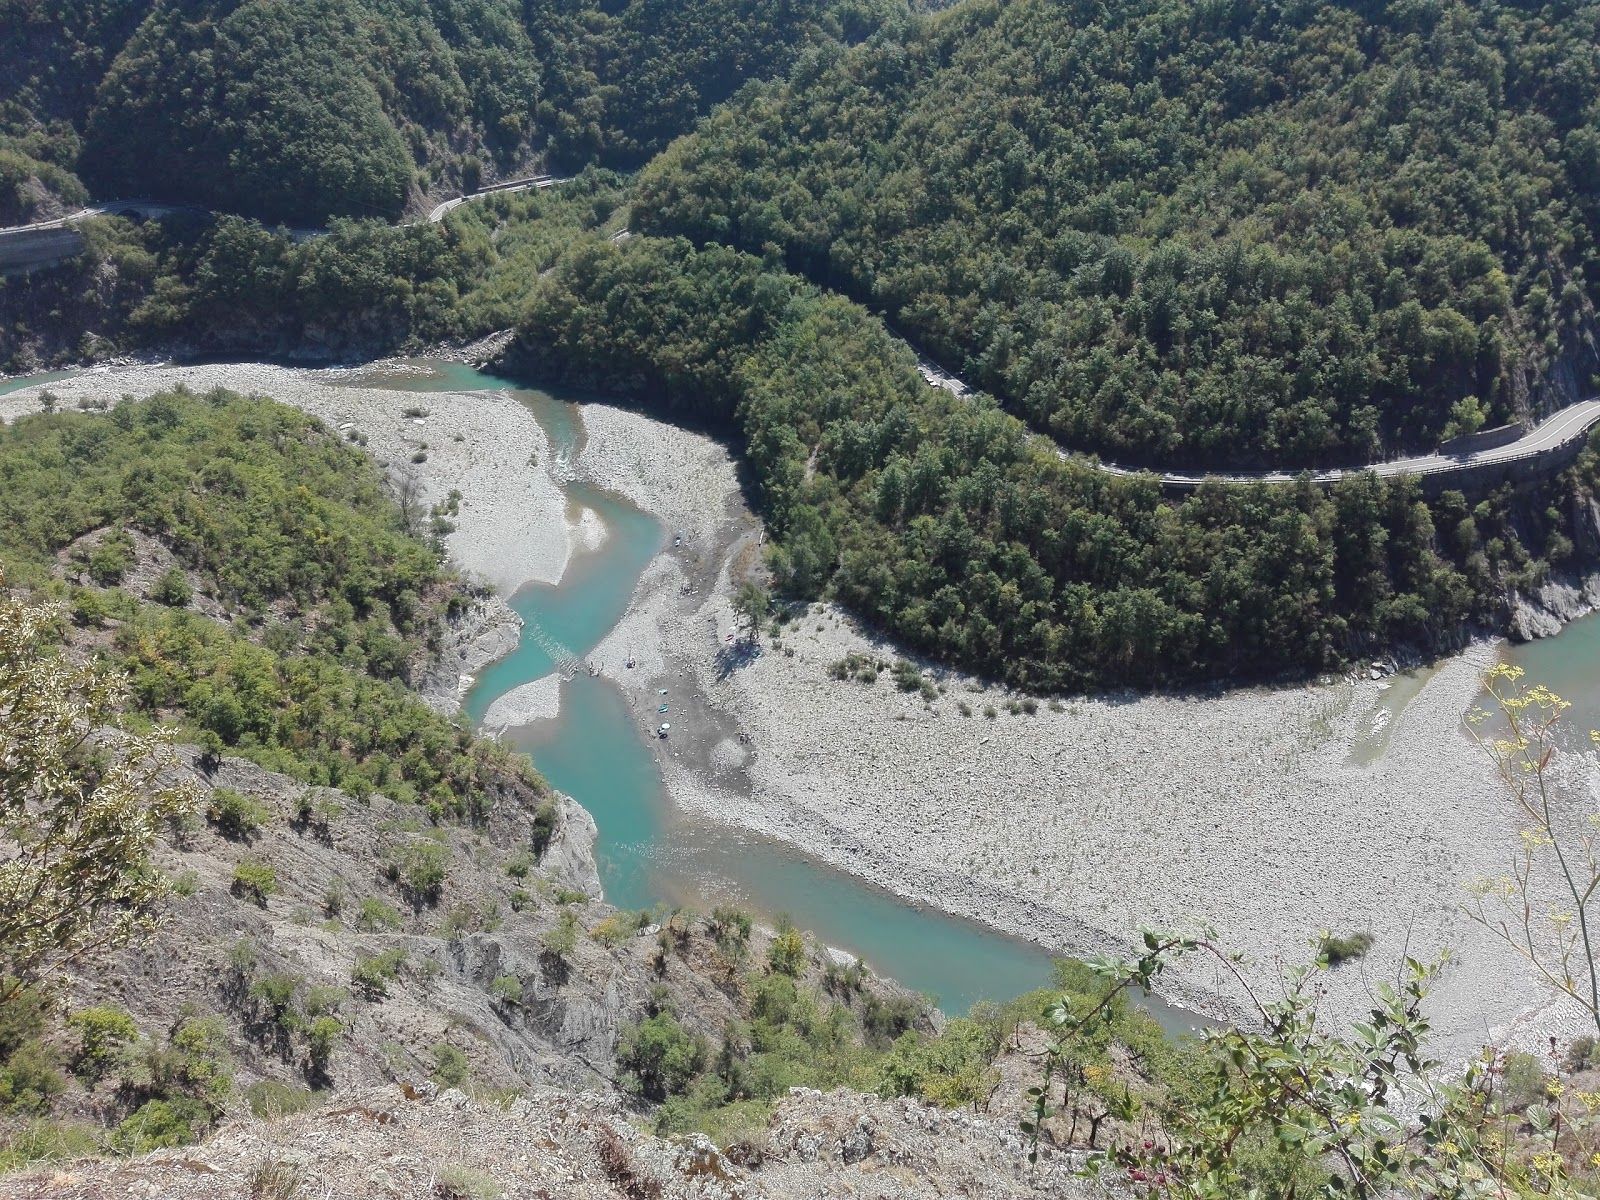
577 1145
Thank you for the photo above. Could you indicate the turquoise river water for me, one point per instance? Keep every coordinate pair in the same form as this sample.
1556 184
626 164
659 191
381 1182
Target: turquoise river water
595 751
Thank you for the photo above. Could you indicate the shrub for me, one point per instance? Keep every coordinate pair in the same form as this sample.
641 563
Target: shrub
787 954
29 1079
322 998
275 993
562 939
546 819
450 1065
195 1062
102 1032
1335 950
159 1124
172 588
1524 1080
372 976
659 1057
89 608
377 917
321 1038
963 708
110 560
507 989
1583 1054
730 927
614 930
236 817
886 1020
255 880
274 1179
419 868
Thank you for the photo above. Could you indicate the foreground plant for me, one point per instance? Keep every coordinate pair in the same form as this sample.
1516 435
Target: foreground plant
1365 1113
1558 848
81 803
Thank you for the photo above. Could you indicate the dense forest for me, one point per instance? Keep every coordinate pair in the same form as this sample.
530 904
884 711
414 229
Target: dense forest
947 524
1219 234
295 112
283 530
231 286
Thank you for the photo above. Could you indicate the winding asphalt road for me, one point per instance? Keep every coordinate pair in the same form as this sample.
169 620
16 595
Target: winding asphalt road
1552 438
146 209
1548 439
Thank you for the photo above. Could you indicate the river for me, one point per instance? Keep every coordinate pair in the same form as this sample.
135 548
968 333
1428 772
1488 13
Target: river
595 751
648 852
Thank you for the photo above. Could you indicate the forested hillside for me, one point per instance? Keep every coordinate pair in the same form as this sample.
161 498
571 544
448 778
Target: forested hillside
1218 234
943 522
294 112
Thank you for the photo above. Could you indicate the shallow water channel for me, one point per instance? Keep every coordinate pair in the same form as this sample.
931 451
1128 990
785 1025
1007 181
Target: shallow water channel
596 752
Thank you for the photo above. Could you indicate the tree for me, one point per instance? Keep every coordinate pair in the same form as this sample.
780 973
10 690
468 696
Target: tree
1558 853
752 602
81 803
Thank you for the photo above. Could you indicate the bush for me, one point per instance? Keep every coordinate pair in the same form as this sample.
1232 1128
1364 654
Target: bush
659 1057
906 675
546 819
1583 1054
274 1179
377 917
372 976
1335 950
321 1037
110 560
507 989
255 880
419 868
1524 1081
561 940
29 1079
160 1124
237 818
787 954
614 930
457 1182
276 993
102 1032
172 588
450 1065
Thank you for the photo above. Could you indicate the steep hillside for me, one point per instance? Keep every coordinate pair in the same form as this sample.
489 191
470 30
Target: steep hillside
365 892
943 522
1208 235
298 112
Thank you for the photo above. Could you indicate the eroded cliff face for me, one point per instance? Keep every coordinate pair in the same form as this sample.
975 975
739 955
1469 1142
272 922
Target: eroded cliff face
580 1146
1565 595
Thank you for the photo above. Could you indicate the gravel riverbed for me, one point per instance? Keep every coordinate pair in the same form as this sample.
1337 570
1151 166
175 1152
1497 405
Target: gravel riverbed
1248 810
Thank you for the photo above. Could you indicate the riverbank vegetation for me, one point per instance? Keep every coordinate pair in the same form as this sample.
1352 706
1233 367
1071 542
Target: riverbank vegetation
943 522
296 605
1213 236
